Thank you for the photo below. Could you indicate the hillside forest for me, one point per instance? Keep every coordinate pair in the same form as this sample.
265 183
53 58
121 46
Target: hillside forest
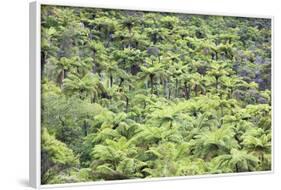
135 94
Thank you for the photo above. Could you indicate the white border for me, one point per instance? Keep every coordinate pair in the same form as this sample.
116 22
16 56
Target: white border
35 93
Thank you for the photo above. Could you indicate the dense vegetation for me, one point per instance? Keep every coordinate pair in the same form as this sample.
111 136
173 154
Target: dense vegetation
129 94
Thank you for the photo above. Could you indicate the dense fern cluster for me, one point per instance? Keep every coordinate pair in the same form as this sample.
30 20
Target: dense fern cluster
132 94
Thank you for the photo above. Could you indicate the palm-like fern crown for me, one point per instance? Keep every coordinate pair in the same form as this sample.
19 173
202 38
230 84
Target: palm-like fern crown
133 94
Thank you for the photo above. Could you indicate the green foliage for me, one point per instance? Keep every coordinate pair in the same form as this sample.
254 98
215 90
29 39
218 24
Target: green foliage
238 161
55 156
132 94
59 152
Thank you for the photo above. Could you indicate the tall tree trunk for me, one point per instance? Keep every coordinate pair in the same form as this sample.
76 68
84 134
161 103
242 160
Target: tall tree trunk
217 83
236 168
111 80
108 40
60 78
230 93
186 91
151 82
127 104
165 88
85 128
196 90
222 114
121 82
170 93
94 68
176 91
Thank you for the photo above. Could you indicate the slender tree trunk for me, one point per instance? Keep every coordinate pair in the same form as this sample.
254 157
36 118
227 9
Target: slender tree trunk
236 168
65 72
121 82
85 128
186 91
111 80
176 91
165 88
154 39
108 40
217 84
151 83
169 93
127 104
196 90
60 78
94 69
222 113
230 93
